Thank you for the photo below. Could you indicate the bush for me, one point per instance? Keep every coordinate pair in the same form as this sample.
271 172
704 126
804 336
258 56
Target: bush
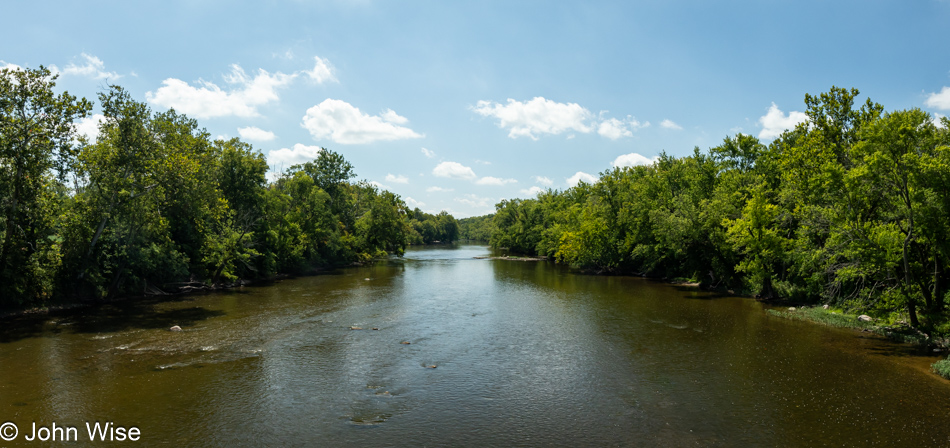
942 368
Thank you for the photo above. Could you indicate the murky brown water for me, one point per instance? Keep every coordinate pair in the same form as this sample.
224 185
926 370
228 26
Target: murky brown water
526 354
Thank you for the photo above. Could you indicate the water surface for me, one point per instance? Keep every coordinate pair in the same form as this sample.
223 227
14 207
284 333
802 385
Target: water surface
499 353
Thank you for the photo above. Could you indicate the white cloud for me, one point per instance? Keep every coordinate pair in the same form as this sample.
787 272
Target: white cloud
488 180
581 176
483 162
93 68
391 116
669 124
533 191
775 122
939 100
89 126
379 185
632 159
453 170
435 189
938 120
399 179
543 180
322 71
209 100
414 203
428 153
613 129
537 116
475 201
256 134
343 123
7 65
287 157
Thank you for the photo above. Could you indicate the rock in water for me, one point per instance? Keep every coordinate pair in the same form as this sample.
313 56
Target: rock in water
175 328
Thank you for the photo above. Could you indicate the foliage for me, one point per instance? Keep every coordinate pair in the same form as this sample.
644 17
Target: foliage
154 204
850 208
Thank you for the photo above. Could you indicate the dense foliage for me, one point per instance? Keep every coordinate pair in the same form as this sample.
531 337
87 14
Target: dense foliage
851 208
155 204
477 228
432 229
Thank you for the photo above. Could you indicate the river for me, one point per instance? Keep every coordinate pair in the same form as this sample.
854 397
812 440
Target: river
441 349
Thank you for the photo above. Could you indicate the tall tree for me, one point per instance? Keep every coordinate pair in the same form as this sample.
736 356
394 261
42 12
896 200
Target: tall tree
37 139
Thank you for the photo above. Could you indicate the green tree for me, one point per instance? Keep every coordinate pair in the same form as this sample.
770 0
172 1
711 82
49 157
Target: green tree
37 139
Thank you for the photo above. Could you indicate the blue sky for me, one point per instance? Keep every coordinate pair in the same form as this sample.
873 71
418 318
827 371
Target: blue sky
455 105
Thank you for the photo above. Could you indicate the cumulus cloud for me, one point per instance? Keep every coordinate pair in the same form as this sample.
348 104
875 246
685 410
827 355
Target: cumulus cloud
613 129
92 68
581 176
488 180
632 159
343 123
9 66
543 180
287 157
536 116
428 153
533 191
775 122
379 185
938 120
89 126
322 71
669 124
399 179
207 100
453 170
256 134
391 116
475 201
436 189
939 100
414 203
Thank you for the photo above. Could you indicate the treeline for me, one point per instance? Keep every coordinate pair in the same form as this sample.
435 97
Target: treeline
851 208
477 228
154 204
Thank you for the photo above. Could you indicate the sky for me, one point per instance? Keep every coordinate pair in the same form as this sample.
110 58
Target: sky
457 105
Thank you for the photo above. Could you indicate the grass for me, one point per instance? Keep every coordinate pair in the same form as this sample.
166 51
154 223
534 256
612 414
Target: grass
898 333
824 317
942 368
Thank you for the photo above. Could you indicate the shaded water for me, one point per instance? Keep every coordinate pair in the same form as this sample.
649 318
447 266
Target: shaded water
525 354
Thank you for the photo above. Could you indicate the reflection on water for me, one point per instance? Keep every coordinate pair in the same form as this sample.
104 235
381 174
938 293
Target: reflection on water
455 351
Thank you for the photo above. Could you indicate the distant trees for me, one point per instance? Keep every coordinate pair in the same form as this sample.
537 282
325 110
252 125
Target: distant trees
850 208
429 229
476 228
154 203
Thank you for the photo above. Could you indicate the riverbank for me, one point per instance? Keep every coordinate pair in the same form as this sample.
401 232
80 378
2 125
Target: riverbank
900 332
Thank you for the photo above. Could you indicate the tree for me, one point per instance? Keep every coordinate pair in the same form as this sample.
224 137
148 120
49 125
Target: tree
37 139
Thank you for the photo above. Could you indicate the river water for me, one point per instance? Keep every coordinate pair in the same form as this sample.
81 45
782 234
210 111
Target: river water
441 349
